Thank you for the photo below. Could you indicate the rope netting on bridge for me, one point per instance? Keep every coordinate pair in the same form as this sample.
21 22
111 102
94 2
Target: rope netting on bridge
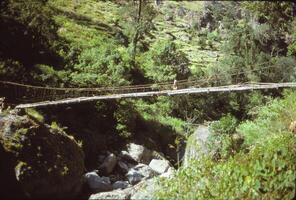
29 93
24 93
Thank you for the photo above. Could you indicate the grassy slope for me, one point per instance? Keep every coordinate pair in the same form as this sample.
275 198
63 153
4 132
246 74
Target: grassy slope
86 23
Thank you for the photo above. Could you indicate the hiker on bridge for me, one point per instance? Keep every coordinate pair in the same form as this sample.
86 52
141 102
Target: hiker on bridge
175 85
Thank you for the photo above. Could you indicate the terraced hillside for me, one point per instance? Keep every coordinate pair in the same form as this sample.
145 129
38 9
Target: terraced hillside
86 24
178 21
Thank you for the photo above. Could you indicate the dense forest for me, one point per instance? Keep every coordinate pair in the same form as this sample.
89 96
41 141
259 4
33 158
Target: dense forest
243 143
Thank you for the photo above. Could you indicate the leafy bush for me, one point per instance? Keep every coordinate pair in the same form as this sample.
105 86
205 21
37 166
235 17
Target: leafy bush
164 61
35 114
266 170
271 119
125 117
226 125
105 65
223 142
160 110
50 76
15 70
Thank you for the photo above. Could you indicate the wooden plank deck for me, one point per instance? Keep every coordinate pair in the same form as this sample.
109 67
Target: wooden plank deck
190 90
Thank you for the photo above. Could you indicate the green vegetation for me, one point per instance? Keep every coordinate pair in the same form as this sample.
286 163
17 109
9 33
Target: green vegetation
66 43
35 115
104 43
264 167
272 119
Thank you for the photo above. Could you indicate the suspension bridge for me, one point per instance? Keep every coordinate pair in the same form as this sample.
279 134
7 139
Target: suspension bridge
27 96
36 96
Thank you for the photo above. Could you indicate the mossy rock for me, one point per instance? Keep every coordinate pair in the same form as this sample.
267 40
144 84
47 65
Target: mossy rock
47 162
196 145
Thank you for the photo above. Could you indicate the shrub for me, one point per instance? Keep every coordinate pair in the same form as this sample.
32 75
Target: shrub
104 65
125 116
48 75
226 125
223 142
266 170
271 119
164 61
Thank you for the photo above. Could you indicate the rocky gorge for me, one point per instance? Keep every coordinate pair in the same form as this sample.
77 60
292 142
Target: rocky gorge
126 176
39 160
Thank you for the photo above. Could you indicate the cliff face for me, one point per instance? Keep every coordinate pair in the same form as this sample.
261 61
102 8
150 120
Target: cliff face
42 161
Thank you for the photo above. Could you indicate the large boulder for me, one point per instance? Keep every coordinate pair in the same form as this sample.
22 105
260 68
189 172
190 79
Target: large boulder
97 183
169 173
145 171
123 166
160 166
134 176
197 144
145 190
108 164
139 153
115 194
139 173
120 185
47 162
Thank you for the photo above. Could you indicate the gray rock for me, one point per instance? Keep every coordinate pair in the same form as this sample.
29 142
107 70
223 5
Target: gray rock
197 144
140 172
108 164
126 156
145 170
169 173
120 185
97 183
116 194
145 191
134 176
123 166
139 153
160 166
126 193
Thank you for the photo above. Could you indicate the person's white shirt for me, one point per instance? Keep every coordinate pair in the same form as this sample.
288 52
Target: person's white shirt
175 85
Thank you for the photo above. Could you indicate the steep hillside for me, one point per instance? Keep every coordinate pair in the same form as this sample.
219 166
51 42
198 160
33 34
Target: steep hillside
101 43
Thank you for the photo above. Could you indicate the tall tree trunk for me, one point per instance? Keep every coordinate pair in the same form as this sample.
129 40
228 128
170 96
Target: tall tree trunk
136 36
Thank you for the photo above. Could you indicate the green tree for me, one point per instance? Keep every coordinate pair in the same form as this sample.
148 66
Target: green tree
164 62
255 42
137 20
106 65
